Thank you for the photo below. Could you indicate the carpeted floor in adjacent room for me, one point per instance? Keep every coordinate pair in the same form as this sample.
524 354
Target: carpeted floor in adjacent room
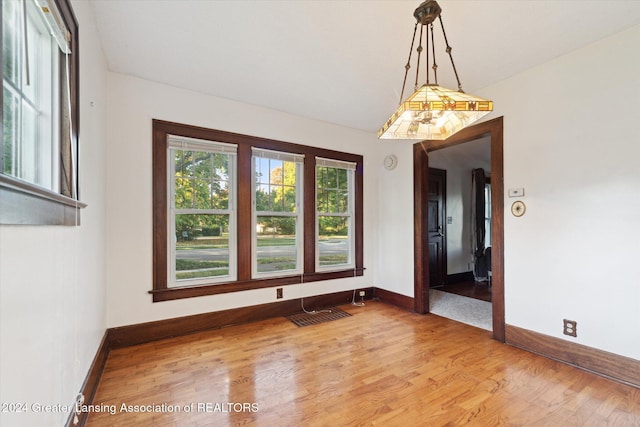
463 309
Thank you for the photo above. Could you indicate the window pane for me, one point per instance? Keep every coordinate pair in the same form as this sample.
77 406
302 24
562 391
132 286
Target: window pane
275 171
289 198
342 201
332 179
487 215
262 197
201 180
262 170
29 149
276 245
487 201
11 29
333 240
332 201
321 177
275 185
321 203
10 110
332 190
202 246
343 183
202 193
183 193
275 199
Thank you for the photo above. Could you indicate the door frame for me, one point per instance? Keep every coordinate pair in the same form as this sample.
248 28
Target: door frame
493 129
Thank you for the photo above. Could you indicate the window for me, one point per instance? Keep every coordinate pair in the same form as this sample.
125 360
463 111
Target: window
201 211
334 213
234 212
38 167
277 213
487 212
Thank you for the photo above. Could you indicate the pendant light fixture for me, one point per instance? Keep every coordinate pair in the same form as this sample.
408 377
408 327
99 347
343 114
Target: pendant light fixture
433 111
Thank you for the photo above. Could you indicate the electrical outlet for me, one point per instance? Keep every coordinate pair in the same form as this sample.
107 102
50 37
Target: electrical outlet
361 293
278 293
570 328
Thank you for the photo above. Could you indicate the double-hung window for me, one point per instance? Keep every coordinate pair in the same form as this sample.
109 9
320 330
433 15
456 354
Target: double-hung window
234 212
202 211
334 214
38 160
277 213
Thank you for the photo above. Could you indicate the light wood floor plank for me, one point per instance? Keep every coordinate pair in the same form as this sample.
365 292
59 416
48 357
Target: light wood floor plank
380 367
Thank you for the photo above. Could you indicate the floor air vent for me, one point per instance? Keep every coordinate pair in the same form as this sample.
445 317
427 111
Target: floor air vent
320 316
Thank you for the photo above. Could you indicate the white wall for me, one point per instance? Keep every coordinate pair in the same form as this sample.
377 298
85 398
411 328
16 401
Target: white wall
132 104
459 161
394 258
52 286
571 140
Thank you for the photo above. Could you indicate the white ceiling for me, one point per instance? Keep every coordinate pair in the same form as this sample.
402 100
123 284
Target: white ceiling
339 61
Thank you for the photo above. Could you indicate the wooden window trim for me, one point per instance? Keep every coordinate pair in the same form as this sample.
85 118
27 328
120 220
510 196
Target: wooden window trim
160 290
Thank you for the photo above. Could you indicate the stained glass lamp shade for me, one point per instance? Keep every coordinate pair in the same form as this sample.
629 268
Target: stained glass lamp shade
433 111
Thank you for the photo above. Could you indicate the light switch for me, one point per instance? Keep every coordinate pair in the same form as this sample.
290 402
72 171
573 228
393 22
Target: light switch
449 220
516 192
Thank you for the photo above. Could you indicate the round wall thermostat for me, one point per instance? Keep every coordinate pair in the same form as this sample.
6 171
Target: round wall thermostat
518 208
390 162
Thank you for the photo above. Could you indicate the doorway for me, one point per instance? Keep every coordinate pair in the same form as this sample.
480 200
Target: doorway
494 130
436 227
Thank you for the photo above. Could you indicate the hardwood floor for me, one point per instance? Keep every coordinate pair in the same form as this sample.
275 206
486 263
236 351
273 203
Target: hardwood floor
382 366
470 289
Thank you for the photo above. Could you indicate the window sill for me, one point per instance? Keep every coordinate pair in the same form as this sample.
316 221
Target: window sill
26 204
169 294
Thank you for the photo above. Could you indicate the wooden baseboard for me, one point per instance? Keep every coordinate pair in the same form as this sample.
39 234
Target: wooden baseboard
466 276
615 367
91 381
393 298
126 336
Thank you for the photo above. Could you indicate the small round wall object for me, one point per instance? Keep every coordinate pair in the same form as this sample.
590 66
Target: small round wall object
390 162
518 208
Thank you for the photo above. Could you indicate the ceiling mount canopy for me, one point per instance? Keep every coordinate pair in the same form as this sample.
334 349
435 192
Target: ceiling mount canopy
432 111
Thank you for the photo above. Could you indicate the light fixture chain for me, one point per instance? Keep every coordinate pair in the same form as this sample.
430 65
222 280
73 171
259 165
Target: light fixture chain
408 66
449 49
427 56
435 65
419 50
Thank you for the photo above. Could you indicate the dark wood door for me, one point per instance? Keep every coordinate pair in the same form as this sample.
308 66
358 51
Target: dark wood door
437 226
